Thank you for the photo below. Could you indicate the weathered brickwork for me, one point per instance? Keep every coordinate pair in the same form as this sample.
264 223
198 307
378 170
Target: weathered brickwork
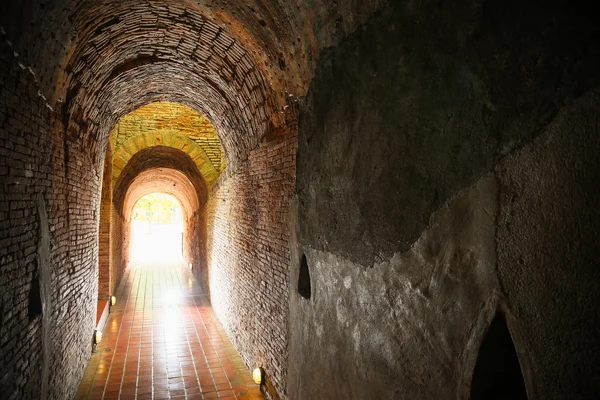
149 140
122 230
248 256
39 162
110 240
177 52
153 158
105 258
119 249
283 38
169 119
194 246
22 170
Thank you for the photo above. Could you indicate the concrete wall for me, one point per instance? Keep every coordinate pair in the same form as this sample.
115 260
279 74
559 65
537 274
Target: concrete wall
548 250
446 164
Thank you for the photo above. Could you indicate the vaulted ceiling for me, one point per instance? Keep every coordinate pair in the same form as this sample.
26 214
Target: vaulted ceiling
241 64
170 125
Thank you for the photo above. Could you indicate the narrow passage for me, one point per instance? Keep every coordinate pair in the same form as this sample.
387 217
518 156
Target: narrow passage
163 341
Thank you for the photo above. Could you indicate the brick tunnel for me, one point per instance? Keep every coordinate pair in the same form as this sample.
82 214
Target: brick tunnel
379 199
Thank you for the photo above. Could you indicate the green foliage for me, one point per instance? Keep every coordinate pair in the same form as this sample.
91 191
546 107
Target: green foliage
157 207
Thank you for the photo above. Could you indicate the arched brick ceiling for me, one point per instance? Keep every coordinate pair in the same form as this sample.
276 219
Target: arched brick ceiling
241 63
128 48
120 98
284 37
155 159
161 180
172 125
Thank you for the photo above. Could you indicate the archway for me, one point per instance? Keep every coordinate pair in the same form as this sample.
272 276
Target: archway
157 228
168 182
497 374
172 149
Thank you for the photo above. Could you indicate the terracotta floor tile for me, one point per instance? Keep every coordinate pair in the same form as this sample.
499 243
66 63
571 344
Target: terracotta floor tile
162 341
208 389
226 393
177 392
192 390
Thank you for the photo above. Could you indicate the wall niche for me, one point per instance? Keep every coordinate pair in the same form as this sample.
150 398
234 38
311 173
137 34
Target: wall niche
497 374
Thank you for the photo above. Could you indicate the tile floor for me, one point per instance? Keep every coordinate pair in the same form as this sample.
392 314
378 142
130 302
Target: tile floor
162 341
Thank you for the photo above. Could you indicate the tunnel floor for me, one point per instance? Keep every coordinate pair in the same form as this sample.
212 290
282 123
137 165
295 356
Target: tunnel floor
163 341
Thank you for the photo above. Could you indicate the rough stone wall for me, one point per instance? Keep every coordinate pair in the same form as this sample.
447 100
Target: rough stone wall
248 257
397 329
444 173
49 229
548 250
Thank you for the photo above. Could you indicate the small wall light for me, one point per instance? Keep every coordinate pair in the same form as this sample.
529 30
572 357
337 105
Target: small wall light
258 375
97 336
190 265
113 300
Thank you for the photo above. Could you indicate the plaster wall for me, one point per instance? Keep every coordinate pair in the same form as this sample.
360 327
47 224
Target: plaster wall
446 170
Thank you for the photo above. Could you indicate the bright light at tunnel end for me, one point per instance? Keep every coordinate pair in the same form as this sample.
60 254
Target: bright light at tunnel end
157 229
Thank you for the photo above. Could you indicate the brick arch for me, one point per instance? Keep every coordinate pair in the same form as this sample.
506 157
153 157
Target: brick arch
140 48
153 159
124 153
162 180
119 98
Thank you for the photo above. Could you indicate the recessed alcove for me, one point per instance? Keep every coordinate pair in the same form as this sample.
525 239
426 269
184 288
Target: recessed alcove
304 286
497 374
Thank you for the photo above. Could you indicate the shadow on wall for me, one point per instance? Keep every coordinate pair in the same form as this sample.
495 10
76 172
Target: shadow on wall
497 374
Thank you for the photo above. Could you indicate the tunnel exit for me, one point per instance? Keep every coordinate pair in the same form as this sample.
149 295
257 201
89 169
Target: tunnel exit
157 229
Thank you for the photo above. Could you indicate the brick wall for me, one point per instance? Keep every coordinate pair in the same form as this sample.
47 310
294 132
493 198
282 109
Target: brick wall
48 232
165 118
110 243
248 256
105 270
119 249
194 245
120 242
